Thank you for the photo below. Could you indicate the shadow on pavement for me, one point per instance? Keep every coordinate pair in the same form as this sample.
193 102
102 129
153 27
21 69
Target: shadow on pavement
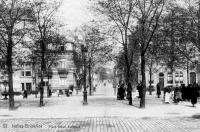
196 116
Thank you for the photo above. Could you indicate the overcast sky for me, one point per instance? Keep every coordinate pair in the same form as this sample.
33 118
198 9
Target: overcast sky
75 12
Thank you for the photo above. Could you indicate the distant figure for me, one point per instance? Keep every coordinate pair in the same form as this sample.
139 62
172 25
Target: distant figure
183 91
158 90
0 93
25 93
194 94
50 92
139 88
121 91
114 86
177 95
167 95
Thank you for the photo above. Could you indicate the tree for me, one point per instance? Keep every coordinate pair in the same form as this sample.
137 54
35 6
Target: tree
148 14
119 12
14 15
133 49
193 9
43 28
153 58
123 14
98 50
176 45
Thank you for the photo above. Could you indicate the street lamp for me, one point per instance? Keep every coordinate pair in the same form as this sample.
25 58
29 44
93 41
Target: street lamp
84 51
5 92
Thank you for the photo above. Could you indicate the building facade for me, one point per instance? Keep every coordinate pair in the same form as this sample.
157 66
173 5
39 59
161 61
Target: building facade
60 76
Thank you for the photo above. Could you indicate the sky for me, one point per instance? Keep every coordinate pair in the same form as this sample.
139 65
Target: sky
74 13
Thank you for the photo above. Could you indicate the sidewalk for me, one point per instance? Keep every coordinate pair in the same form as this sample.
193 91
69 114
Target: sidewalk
102 114
102 104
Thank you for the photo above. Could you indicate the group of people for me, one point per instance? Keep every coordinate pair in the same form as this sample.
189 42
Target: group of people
121 91
182 93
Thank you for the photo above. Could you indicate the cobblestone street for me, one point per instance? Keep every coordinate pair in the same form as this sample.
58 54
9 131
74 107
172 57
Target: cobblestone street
101 124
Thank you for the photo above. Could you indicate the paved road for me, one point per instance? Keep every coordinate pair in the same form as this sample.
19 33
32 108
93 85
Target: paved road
101 124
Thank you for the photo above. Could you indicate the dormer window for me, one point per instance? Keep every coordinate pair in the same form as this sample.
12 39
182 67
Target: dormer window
62 48
26 73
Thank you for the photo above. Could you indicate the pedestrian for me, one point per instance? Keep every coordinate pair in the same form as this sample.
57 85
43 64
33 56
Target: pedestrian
177 95
25 93
158 92
0 93
139 88
183 89
193 95
120 91
167 95
50 92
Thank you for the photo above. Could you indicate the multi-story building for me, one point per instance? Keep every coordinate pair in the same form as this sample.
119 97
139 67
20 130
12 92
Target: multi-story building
59 76
186 75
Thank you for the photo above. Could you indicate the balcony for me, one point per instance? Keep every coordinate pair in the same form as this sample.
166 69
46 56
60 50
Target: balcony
46 74
63 72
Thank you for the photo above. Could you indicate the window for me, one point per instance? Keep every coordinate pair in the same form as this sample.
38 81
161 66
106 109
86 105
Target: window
45 83
28 87
179 77
25 73
28 73
22 86
169 78
62 64
62 81
62 48
176 77
22 73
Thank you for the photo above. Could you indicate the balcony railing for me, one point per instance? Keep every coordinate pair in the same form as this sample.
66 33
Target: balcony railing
63 72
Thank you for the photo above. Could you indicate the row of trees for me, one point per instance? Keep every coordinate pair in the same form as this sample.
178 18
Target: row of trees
30 24
162 32
98 50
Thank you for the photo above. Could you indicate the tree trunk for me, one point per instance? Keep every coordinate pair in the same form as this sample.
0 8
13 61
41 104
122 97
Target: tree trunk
10 74
90 81
150 80
142 100
48 89
187 73
42 74
129 87
198 31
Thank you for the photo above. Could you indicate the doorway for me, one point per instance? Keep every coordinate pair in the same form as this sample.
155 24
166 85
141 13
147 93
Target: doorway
192 77
161 80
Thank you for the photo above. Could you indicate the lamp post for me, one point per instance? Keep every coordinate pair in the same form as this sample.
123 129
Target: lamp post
84 50
5 92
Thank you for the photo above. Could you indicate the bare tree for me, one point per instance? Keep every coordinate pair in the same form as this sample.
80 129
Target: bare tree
119 12
98 50
43 27
148 13
13 17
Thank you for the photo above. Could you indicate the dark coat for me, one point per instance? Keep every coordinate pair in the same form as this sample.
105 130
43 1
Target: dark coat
158 89
193 95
